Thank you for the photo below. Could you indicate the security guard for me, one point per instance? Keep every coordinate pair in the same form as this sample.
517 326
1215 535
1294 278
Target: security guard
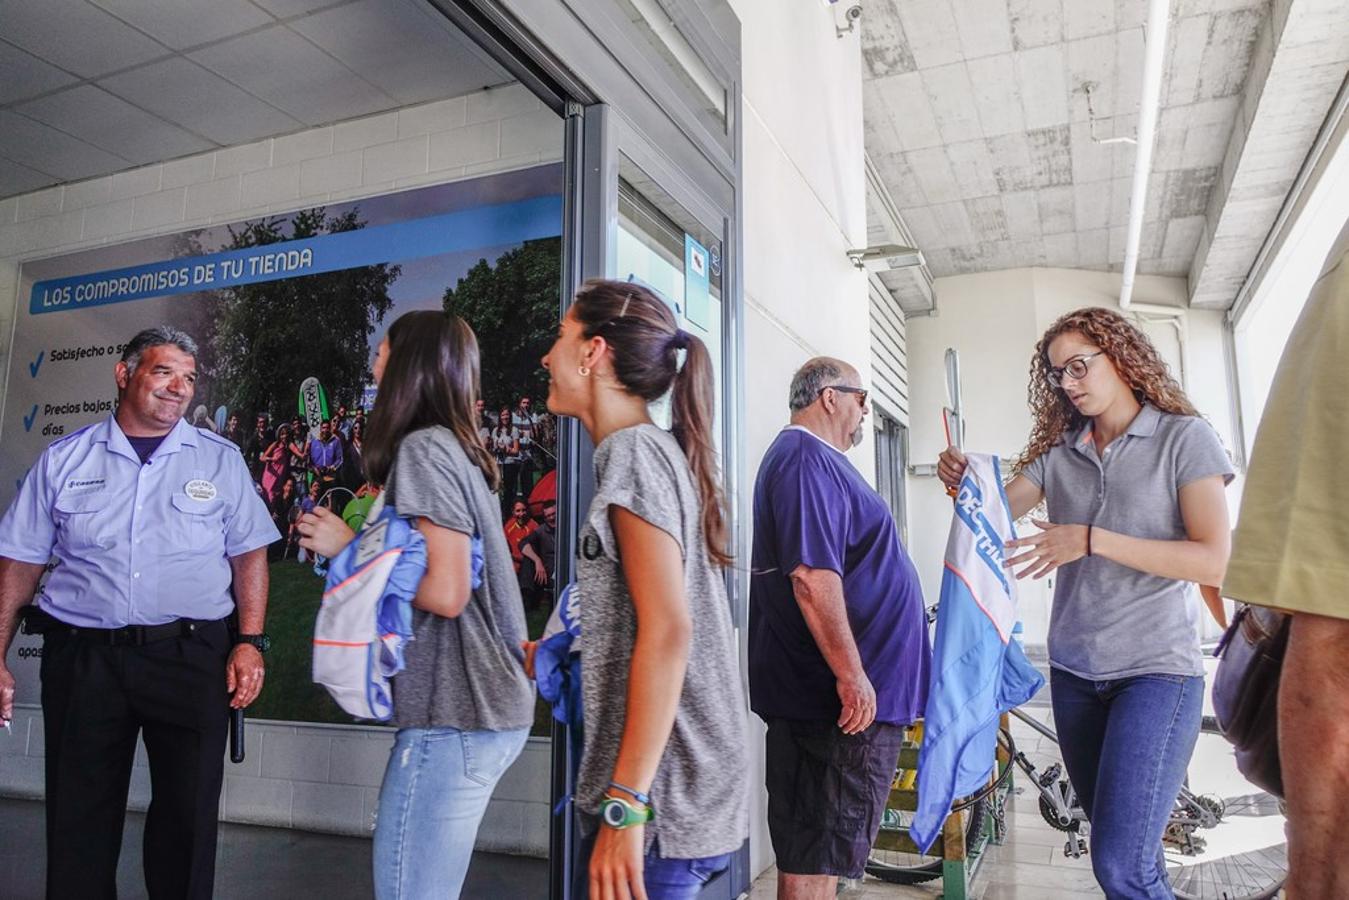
155 536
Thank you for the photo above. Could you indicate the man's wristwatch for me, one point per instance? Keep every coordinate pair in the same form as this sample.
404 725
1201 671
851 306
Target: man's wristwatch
261 641
618 813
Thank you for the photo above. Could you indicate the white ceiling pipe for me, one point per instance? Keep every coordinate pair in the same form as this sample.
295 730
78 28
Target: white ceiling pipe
1154 59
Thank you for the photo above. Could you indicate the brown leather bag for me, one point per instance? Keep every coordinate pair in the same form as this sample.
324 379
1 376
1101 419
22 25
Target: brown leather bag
1246 691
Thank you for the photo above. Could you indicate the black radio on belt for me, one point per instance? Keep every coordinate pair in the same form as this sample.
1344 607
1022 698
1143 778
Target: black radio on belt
33 620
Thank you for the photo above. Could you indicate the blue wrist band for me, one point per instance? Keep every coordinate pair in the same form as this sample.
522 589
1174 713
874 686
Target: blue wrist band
641 798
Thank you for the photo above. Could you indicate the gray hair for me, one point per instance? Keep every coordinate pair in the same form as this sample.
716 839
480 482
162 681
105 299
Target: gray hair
812 378
158 336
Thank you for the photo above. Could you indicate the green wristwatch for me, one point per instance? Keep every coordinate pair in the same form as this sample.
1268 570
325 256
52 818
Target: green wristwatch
619 813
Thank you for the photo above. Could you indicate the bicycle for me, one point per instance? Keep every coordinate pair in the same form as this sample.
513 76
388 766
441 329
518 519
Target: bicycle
1254 874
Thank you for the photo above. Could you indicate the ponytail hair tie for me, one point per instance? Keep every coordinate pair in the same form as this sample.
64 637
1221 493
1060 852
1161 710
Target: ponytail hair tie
680 340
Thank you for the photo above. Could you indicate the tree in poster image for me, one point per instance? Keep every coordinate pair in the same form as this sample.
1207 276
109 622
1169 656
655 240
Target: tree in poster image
512 306
269 337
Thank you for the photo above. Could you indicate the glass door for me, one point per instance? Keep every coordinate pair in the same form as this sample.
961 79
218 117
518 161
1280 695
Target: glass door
682 262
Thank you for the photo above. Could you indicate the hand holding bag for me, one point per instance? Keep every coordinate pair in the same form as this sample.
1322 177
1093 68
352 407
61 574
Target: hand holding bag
1246 691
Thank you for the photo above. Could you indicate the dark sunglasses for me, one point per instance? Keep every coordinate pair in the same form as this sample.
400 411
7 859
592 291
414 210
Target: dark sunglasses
848 389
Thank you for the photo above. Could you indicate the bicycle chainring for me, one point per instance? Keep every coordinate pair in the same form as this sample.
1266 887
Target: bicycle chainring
1214 805
1050 816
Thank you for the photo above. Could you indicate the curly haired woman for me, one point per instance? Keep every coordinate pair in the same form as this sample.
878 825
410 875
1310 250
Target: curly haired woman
1133 482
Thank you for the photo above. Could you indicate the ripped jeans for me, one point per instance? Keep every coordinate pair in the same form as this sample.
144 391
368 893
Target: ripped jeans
435 791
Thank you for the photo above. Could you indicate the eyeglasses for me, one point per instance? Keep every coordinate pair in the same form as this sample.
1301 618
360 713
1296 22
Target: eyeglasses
848 389
1075 368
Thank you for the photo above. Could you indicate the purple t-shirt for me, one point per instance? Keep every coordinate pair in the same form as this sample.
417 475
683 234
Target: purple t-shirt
812 508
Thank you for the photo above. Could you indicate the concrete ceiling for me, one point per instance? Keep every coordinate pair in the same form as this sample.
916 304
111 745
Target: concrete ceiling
980 118
90 87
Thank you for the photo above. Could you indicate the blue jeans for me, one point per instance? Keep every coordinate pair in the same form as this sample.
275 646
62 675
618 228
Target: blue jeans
1126 745
664 879
433 797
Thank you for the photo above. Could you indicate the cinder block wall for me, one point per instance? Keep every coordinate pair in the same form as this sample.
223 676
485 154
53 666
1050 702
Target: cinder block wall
313 777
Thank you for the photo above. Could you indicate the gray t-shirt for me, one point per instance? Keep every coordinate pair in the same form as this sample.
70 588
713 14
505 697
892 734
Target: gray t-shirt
466 672
701 790
1110 621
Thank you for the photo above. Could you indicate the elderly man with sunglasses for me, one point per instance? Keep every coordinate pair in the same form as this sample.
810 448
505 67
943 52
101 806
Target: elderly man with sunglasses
838 643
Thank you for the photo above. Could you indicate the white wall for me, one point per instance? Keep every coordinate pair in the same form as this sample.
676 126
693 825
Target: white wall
317 777
804 188
994 319
1287 280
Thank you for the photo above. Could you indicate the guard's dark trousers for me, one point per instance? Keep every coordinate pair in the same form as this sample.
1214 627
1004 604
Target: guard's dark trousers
96 697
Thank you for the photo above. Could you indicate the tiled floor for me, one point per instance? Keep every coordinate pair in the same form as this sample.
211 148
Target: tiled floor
1031 864
267 862
253 863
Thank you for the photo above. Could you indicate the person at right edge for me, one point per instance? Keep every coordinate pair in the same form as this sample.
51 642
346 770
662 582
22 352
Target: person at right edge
1133 481
1291 551
838 643
661 787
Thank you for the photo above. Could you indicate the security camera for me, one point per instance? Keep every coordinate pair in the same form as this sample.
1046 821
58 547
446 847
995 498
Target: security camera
885 257
850 16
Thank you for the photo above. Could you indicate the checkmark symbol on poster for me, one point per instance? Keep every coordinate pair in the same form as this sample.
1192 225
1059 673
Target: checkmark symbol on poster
37 363
29 419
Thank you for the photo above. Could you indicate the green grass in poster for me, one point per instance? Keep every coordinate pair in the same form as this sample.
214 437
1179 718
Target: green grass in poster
290 693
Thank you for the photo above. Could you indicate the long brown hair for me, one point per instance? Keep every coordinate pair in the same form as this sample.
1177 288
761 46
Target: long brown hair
1135 358
430 378
646 340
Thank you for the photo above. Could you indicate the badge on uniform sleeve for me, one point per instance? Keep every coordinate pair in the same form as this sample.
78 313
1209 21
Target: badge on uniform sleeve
200 489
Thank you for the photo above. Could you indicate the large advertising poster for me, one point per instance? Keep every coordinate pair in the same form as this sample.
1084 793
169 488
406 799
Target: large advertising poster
287 311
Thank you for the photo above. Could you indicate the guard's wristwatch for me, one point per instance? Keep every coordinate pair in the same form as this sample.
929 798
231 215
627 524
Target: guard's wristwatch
619 813
260 641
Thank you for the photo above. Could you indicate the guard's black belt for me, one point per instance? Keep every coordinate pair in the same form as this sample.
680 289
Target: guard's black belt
40 622
136 635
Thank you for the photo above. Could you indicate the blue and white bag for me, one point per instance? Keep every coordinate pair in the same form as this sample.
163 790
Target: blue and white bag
365 618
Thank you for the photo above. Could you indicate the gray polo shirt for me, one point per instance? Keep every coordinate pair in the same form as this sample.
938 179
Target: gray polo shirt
1109 621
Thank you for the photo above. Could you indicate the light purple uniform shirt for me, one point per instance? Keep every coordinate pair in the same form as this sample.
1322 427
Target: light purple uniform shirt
134 544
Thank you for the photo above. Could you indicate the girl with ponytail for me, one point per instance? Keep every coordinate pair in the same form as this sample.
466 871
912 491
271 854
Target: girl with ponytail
662 784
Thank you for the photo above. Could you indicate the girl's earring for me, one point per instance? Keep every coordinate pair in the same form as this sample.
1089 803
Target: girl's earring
584 371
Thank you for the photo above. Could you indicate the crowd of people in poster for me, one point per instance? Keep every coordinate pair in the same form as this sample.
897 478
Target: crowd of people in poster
295 470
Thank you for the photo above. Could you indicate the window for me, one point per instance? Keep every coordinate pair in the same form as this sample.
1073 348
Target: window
892 441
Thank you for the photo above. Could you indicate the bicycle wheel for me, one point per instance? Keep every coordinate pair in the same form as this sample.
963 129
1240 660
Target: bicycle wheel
904 867
1253 875
1243 858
